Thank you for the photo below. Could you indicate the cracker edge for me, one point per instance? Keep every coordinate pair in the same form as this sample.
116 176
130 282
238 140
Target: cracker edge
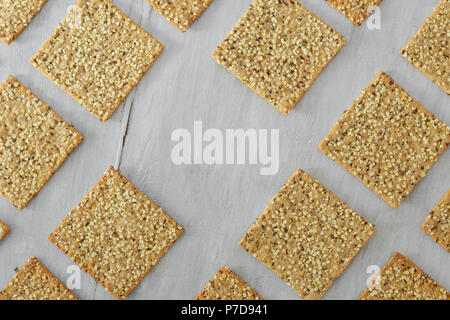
314 76
446 198
16 35
77 140
396 257
415 64
313 296
52 238
51 276
227 270
354 17
5 230
322 146
160 11
139 76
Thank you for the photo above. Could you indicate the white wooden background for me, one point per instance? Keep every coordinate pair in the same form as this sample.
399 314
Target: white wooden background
217 204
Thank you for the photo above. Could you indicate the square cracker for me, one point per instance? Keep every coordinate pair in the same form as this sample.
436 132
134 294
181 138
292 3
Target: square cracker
97 55
401 279
35 282
357 11
307 236
387 140
226 285
428 50
437 224
116 234
15 16
4 229
278 48
181 13
34 142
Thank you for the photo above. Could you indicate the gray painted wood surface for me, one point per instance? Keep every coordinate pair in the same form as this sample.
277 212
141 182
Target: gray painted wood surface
217 204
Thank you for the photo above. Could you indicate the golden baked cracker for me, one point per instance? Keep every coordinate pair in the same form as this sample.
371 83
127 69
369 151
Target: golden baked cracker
97 55
278 48
226 285
15 15
181 13
437 224
4 229
401 279
307 236
429 51
34 142
357 11
387 140
35 282
116 234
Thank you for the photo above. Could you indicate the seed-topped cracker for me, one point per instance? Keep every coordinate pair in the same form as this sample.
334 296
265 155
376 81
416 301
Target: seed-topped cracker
34 142
181 13
116 234
226 285
437 224
97 55
35 282
387 140
4 229
307 236
401 279
357 11
428 50
15 15
278 48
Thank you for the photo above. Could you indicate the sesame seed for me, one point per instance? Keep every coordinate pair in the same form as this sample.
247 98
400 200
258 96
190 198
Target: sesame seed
437 224
34 142
278 48
35 282
428 48
226 285
4 229
307 236
357 11
116 234
15 17
181 13
401 279
387 140
99 59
